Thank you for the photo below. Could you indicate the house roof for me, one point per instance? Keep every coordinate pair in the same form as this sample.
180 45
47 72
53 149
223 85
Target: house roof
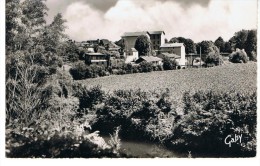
171 55
126 34
150 58
156 32
172 45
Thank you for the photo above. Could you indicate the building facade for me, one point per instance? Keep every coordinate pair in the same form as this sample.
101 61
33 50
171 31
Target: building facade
130 38
157 39
175 48
97 59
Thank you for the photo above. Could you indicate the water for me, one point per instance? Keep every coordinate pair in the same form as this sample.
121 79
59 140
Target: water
142 149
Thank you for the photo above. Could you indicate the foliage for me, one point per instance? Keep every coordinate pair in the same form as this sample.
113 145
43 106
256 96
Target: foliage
143 45
44 142
145 67
81 71
213 57
245 39
169 64
239 56
190 46
135 111
121 43
251 45
205 47
209 117
220 43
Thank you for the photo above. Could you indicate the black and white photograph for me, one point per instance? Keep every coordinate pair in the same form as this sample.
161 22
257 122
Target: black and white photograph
128 79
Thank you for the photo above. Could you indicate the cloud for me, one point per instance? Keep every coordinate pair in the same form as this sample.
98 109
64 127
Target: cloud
101 4
204 21
189 3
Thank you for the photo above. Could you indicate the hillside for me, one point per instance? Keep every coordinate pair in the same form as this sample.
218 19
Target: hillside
238 77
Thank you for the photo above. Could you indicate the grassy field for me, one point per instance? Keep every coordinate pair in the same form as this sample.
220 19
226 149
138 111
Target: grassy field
237 77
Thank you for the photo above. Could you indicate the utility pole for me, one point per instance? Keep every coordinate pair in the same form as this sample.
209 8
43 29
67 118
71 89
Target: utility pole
200 57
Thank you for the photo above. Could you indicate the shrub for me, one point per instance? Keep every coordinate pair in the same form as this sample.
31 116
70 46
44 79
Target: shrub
209 117
145 67
239 56
81 71
137 112
169 64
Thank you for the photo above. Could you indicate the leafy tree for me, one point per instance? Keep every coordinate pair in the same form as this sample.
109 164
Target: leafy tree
190 46
240 38
220 43
251 44
31 58
143 45
11 22
213 57
174 40
121 43
205 47
228 47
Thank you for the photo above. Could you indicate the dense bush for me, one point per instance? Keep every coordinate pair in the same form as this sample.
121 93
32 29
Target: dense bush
169 64
209 117
239 56
81 71
213 57
139 113
42 142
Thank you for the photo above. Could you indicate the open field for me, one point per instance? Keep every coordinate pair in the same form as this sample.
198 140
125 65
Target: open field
237 77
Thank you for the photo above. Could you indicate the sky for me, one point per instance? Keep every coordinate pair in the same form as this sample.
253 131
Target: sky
195 19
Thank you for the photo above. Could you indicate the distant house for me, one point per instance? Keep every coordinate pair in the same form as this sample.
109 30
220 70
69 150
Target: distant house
157 39
175 48
131 55
97 59
151 59
130 38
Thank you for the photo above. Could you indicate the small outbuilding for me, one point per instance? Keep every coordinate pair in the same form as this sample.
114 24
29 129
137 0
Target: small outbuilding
151 59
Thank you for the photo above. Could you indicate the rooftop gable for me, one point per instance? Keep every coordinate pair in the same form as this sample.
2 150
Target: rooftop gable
156 32
128 34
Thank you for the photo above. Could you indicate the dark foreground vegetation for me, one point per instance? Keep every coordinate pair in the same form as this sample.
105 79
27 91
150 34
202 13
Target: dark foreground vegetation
208 117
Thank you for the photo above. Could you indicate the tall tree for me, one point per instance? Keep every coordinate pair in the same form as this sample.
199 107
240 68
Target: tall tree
190 46
11 22
240 38
143 45
228 48
205 46
220 43
251 44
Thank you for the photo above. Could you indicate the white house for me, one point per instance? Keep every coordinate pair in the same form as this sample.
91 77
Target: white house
175 48
131 55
